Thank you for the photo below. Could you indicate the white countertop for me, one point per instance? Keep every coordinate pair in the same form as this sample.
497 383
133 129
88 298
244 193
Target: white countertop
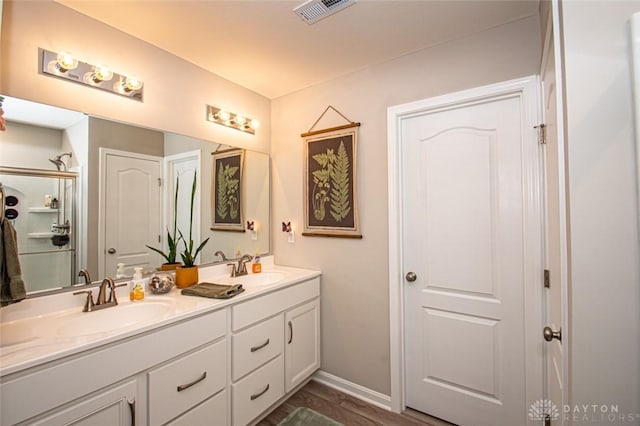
38 344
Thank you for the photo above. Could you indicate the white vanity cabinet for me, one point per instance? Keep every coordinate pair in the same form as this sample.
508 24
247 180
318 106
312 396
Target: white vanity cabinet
265 366
113 407
222 363
302 347
78 387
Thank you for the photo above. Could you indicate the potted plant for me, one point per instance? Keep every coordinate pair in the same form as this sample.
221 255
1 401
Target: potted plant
187 274
172 238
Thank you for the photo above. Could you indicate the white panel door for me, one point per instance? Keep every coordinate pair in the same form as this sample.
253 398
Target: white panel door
463 205
132 212
183 167
555 237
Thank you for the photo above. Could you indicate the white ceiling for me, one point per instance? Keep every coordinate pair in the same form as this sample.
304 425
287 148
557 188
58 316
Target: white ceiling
264 46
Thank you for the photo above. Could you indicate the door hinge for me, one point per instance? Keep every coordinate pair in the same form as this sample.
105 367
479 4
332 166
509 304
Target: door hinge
542 134
159 239
547 279
159 181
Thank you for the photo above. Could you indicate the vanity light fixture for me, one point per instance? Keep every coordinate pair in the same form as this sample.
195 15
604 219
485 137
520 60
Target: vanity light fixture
233 120
65 66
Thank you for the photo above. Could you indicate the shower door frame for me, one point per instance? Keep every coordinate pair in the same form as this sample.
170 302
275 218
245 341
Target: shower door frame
73 231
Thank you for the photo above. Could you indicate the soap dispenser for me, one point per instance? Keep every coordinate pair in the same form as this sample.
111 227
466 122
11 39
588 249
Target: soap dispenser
256 267
136 290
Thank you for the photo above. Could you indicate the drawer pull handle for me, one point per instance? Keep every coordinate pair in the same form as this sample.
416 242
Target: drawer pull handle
259 394
290 333
257 348
188 385
132 410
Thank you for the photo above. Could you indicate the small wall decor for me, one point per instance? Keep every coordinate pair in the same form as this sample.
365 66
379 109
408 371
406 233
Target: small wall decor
226 190
330 196
286 227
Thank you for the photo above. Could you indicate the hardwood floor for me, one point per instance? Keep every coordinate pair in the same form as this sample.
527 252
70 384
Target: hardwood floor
348 410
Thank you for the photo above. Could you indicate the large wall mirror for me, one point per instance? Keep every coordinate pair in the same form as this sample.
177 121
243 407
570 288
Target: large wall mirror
89 194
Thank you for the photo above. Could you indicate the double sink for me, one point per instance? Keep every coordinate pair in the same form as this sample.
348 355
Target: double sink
71 324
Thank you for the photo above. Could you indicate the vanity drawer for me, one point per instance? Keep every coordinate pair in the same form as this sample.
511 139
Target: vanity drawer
183 383
213 411
256 345
252 311
258 391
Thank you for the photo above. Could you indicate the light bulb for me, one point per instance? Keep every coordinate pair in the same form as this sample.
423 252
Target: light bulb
255 124
223 115
66 62
133 84
101 74
240 120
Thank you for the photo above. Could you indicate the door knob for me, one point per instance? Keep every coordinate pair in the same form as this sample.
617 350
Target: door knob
111 250
549 334
411 276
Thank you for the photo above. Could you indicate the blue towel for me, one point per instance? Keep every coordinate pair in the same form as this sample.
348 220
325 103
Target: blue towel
11 284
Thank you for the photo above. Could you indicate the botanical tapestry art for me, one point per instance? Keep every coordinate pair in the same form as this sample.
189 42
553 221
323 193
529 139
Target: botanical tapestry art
226 190
330 186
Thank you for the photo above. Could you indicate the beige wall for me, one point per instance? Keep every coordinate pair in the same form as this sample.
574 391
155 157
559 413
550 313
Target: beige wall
605 291
355 311
175 91
29 146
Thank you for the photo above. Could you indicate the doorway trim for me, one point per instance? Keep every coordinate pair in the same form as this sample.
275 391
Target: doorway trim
168 167
528 90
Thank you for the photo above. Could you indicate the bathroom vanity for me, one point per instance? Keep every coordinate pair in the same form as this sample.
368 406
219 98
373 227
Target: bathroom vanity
170 359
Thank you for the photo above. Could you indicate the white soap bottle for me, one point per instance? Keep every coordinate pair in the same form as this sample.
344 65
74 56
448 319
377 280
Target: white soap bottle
136 289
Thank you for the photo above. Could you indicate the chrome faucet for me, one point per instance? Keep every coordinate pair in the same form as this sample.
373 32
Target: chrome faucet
241 268
221 254
102 301
87 277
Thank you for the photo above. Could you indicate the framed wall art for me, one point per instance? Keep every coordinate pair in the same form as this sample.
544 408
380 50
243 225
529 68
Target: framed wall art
330 196
226 190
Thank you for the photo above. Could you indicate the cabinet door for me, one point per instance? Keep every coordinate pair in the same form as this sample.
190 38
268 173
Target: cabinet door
302 344
114 407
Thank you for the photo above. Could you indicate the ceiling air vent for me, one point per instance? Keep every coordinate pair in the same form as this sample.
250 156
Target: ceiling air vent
314 10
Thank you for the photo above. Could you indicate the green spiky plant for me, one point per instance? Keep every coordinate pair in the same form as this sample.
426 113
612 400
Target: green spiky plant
188 254
172 238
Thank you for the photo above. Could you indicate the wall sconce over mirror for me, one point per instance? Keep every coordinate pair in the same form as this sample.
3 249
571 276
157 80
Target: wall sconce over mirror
233 120
64 65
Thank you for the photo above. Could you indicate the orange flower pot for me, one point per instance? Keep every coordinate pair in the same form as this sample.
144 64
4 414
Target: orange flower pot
186 276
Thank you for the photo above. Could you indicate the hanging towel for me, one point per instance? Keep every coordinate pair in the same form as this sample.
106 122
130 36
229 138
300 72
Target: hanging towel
11 285
214 291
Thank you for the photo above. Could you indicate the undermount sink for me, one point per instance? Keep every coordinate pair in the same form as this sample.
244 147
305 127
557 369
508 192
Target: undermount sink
73 323
251 280
113 318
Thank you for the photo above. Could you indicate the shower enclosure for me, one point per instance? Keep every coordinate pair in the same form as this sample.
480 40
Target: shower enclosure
41 205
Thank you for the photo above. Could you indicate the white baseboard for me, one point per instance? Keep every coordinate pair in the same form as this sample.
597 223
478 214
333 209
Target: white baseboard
355 390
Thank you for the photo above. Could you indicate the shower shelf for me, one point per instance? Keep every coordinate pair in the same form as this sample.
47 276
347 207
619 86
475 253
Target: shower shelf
42 210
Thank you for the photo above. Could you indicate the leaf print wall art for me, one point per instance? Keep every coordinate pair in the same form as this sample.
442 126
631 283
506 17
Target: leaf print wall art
226 190
329 183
